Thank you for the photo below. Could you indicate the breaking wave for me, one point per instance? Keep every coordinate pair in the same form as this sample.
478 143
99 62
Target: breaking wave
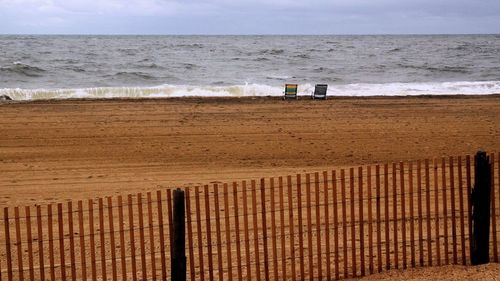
22 69
249 90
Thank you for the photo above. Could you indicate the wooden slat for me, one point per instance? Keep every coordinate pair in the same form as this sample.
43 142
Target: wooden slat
282 228
81 232
291 222
142 239
412 215
228 233
104 272
318 227
461 191
403 212
237 230
353 223
112 239
336 225
309 226
29 239
161 230
379 226
199 233
344 222
92 240
395 215
264 229
189 234
327 225
170 220
498 192
60 224
420 215
20 269
445 210
428 211
493 210
41 256
469 201
72 255
386 217
246 230
255 231
8 251
361 222
436 207
132 236
51 243
209 234
370 222
122 239
218 233
301 237
151 234
453 217
273 229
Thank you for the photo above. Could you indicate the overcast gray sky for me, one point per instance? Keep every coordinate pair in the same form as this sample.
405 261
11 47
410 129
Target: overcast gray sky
249 16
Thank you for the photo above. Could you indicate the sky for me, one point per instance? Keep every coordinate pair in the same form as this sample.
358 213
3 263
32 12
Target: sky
249 16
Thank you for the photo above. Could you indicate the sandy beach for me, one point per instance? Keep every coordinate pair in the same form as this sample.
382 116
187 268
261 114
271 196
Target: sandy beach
52 151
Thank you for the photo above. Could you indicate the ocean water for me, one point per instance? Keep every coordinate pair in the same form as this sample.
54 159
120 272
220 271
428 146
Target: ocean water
54 67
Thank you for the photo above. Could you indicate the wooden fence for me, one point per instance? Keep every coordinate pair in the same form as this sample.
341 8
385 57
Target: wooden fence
329 225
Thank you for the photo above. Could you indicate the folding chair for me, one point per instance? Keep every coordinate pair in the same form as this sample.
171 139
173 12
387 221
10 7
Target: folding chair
320 91
290 91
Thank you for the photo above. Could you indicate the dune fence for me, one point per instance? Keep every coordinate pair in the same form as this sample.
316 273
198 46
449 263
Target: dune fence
326 225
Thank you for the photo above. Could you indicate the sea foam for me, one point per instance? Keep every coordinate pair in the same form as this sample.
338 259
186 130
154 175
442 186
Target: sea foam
254 90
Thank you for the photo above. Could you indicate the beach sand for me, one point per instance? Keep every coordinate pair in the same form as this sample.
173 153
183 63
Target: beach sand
52 151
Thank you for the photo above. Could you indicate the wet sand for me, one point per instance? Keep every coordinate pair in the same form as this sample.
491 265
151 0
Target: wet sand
52 151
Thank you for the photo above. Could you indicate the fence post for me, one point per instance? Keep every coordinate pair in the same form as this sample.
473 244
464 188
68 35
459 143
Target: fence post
179 241
481 210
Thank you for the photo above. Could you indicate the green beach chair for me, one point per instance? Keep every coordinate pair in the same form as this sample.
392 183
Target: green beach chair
290 91
320 91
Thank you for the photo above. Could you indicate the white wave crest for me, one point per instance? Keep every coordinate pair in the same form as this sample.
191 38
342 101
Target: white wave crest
388 89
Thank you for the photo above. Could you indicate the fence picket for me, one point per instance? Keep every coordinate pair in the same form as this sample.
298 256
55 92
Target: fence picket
309 226
60 224
453 217
327 225
395 215
228 233
122 238
282 227
30 243
237 225
8 251
51 243
493 210
18 244
255 230
189 235
92 240
264 229
428 208
218 232
461 191
209 234
361 222
301 237
436 200
291 220
370 223
403 212
200 235
386 217
112 239
344 221
469 201
445 211
72 256
104 272
132 236
318 226
273 229
41 256
246 229
151 235
141 237
420 218
379 227
336 225
412 215
353 219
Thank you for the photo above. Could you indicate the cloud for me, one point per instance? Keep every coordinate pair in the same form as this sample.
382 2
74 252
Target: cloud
249 16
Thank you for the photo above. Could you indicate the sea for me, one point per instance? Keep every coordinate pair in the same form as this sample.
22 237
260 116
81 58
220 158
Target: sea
34 67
